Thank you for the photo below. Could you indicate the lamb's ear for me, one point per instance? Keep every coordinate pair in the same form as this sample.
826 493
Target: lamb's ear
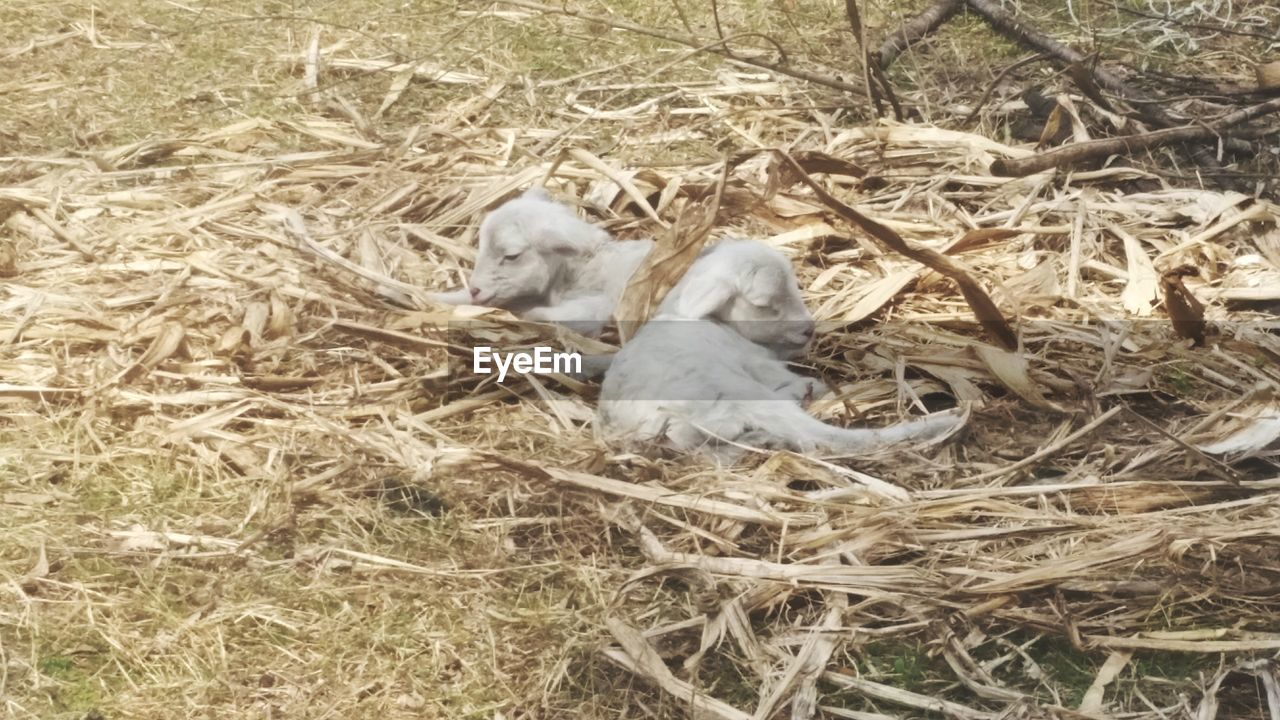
705 296
561 241
763 288
568 235
537 192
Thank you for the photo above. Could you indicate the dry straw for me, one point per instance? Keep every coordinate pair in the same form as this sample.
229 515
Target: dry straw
262 313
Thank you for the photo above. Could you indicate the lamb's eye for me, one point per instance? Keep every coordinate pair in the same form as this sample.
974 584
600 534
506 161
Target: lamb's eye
512 257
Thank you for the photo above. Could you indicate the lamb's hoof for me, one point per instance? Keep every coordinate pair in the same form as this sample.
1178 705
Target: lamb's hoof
942 425
809 393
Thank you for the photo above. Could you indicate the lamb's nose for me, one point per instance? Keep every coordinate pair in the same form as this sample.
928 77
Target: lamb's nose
808 332
475 292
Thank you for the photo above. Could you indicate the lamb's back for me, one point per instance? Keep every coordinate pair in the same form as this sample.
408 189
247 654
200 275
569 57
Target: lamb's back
607 273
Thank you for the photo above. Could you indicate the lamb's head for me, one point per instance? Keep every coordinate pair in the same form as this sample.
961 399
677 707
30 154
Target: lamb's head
751 288
526 245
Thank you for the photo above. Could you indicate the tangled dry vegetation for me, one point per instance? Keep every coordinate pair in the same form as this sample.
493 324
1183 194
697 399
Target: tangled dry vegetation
244 471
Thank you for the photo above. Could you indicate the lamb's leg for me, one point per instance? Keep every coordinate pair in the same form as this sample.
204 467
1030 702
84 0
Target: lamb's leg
858 440
461 296
593 366
586 315
790 427
775 375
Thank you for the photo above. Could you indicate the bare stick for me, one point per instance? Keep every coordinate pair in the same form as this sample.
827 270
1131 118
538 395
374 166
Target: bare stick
684 19
873 75
1049 449
915 29
855 24
1090 78
883 80
715 14
1071 154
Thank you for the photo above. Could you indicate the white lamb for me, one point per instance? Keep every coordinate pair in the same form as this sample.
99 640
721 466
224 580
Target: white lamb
540 261
694 380
770 312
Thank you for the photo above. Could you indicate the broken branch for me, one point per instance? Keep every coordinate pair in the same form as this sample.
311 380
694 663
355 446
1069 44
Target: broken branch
915 29
1080 152
988 315
1005 23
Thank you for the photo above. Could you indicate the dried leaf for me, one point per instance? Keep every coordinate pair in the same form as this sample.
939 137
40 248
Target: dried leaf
672 254
1268 75
1079 131
41 568
399 83
1115 663
232 341
1269 245
981 236
878 294
281 323
42 394
1185 311
1249 435
8 260
166 343
1052 126
1140 292
814 161
638 656
27 498
595 163
256 315
1010 368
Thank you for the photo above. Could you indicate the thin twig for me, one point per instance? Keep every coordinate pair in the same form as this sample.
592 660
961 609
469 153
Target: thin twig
859 36
684 19
715 16
799 74
1217 467
986 94
1049 449
1010 26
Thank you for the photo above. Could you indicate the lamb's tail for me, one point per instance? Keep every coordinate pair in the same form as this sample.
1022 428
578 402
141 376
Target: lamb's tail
790 426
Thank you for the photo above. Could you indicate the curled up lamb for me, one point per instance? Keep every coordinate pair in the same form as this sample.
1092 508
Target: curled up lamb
704 375
540 261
